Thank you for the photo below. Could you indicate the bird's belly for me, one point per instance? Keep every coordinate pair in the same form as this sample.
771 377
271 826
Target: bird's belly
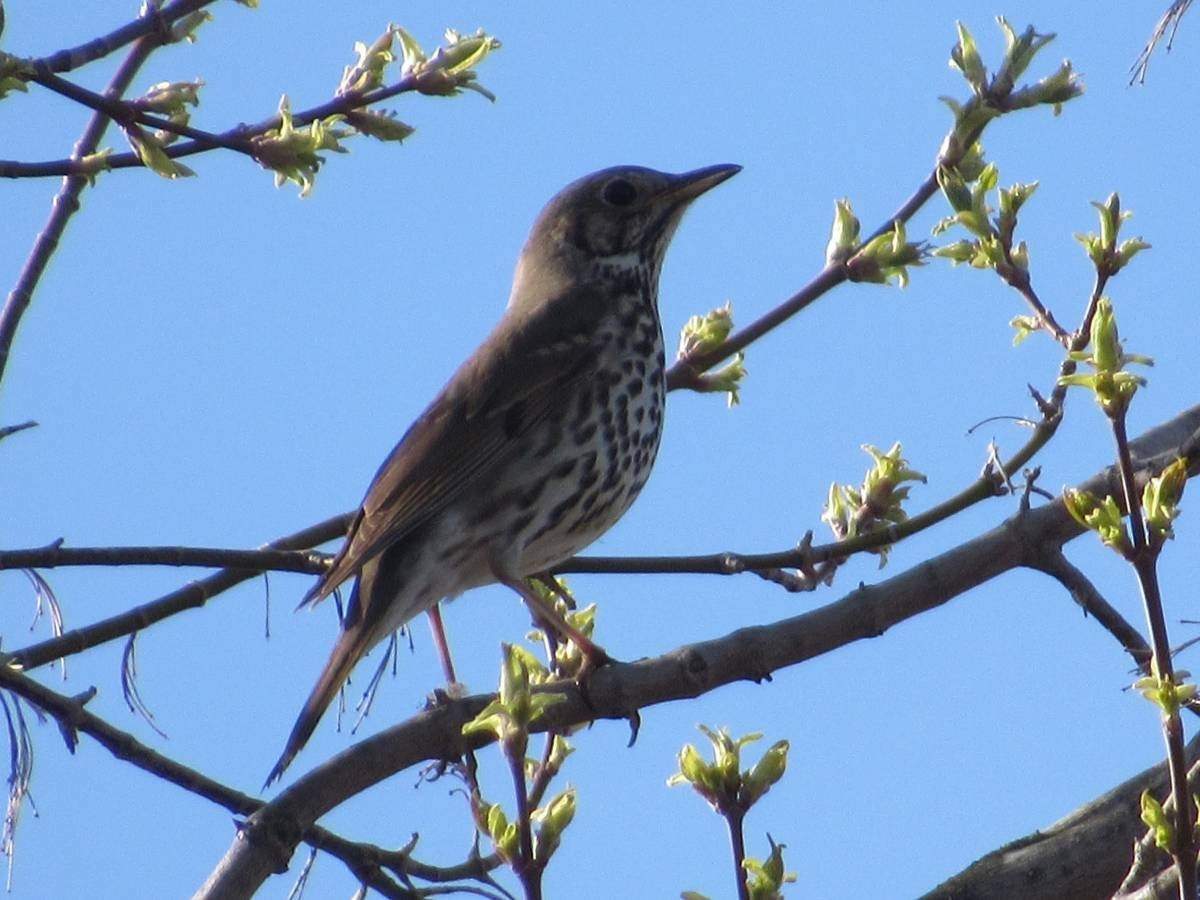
607 445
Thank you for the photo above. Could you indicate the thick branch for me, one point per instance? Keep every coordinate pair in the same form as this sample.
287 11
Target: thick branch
1080 857
617 691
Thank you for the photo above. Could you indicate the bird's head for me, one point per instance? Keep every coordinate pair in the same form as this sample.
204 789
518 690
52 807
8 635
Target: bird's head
623 216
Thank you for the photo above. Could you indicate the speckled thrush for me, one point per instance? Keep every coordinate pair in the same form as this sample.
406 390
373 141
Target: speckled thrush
543 437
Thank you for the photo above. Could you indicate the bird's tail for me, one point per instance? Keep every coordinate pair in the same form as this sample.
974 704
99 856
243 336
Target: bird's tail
350 646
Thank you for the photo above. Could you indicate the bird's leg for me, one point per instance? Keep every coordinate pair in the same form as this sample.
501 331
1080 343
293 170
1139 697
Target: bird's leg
546 616
438 628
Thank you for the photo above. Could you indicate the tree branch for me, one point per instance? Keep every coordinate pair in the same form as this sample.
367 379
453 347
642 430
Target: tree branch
98 48
615 691
1082 856
262 560
67 201
237 138
190 596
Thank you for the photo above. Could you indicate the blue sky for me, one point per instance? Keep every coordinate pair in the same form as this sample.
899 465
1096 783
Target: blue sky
216 362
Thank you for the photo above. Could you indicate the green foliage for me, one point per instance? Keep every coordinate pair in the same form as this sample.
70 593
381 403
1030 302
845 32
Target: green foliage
1102 248
1157 821
1168 693
1101 516
1112 386
703 334
877 504
1160 499
508 717
722 782
293 153
766 878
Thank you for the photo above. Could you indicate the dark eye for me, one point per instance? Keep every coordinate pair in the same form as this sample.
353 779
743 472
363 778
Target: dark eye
619 192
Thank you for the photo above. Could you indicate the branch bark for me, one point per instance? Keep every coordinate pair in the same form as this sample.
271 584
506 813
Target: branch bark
266 843
1080 857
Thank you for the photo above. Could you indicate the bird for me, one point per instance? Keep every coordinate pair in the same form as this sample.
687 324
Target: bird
541 439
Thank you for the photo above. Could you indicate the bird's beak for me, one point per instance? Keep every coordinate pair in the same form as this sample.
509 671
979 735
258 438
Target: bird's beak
690 185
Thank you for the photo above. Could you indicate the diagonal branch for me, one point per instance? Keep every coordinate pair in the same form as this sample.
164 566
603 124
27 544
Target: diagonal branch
67 201
1051 561
234 138
366 861
266 842
98 48
1085 854
189 596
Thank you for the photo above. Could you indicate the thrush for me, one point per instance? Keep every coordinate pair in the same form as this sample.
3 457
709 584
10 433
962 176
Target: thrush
540 441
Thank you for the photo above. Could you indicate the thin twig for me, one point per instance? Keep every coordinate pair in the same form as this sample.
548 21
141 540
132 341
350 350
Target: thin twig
56 555
1169 22
240 135
73 717
98 48
13 429
189 596
67 201
1144 558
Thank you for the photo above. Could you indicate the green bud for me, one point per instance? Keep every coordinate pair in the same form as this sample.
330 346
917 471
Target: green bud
367 73
1157 821
1025 326
14 73
185 27
843 236
955 189
292 153
766 878
1101 516
153 155
1054 90
768 770
1019 52
555 818
964 56
1168 694
505 837
701 334
886 256
958 252
171 97
383 126
1161 496
971 162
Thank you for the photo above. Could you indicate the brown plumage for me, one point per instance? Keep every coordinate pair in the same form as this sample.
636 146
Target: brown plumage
543 437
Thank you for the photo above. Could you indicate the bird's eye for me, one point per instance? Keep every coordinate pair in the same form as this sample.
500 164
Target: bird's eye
619 192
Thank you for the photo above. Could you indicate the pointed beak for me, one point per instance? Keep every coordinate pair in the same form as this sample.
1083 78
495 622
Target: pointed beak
690 185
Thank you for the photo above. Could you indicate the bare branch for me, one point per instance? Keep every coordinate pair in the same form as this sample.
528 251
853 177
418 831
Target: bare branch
1085 854
261 560
13 429
1051 560
1169 22
67 201
189 596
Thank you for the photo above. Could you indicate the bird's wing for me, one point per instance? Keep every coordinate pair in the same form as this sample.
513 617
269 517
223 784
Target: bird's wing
506 388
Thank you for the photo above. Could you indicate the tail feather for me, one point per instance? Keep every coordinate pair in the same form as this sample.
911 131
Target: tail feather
349 648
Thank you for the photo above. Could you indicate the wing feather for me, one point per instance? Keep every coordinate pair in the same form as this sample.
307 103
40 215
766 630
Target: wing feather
511 383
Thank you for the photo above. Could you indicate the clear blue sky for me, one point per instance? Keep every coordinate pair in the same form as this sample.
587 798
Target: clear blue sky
216 362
